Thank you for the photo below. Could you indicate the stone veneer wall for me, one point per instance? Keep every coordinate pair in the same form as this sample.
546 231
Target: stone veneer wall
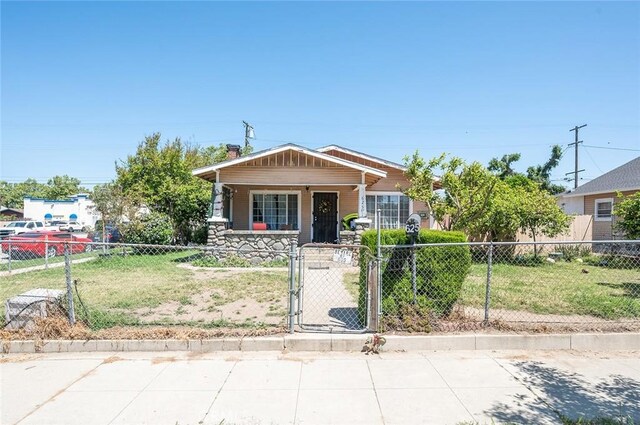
256 246
347 237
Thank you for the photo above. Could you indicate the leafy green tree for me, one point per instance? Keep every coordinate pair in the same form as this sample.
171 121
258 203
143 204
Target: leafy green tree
466 191
159 176
628 213
12 194
541 174
112 204
473 200
503 167
540 214
60 187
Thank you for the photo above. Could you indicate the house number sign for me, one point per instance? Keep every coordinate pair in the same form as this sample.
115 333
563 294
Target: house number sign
412 226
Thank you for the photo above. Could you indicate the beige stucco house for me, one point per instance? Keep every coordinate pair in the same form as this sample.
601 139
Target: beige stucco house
598 197
291 193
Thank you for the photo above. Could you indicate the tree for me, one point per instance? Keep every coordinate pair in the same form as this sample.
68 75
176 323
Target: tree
112 204
60 187
159 176
466 190
503 167
541 215
474 201
628 212
541 174
12 194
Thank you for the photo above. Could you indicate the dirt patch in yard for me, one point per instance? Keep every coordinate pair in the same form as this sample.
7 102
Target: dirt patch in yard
214 305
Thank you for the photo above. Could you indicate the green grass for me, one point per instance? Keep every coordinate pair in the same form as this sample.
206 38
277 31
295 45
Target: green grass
351 282
557 288
34 261
113 288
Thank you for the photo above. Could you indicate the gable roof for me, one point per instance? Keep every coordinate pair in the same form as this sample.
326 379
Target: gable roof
363 156
289 146
625 177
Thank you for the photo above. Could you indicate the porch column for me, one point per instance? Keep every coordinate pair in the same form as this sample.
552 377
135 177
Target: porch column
217 223
217 208
362 201
362 222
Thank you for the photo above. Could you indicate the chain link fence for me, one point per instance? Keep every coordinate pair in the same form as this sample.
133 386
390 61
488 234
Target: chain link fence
543 287
550 286
107 286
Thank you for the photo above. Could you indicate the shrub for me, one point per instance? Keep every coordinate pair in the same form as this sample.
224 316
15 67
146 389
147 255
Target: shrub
440 272
154 228
571 252
613 261
199 235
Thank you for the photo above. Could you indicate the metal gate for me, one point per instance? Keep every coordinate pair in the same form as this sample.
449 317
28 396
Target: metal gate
335 288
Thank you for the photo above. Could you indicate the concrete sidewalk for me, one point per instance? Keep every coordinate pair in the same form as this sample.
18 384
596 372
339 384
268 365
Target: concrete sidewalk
437 387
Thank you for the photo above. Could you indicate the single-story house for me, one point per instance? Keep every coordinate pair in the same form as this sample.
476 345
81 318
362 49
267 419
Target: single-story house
598 197
14 213
292 193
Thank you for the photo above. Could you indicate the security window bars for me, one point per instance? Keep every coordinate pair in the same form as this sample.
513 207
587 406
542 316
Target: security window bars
278 210
395 210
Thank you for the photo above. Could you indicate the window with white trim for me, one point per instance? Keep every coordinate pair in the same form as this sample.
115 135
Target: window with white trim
278 210
395 210
603 209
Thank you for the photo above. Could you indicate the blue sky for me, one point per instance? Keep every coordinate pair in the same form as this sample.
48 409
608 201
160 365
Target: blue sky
83 83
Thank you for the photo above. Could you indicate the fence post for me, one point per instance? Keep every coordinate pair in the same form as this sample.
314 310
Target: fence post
292 285
488 290
9 255
413 271
379 261
46 252
67 273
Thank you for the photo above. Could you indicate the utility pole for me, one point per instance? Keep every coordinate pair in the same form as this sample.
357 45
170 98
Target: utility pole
576 143
248 133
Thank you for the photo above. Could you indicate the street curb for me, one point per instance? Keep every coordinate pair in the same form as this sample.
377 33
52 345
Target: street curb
339 343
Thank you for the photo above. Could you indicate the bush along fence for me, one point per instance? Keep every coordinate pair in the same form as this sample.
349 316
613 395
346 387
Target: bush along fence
439 284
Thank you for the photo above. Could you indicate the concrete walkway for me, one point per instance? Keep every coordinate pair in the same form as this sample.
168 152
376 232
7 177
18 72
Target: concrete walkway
441 387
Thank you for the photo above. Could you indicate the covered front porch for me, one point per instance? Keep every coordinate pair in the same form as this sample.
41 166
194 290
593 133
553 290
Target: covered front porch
271 199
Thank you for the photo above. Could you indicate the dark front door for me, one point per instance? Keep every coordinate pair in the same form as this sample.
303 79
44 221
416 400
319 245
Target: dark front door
325 217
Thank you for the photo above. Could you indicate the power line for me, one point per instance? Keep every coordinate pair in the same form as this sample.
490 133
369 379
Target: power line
592 160
610 148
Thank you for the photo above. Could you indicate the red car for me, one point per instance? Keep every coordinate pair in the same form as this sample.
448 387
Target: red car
36 244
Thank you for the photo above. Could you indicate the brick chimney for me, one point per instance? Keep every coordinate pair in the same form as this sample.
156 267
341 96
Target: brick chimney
233 151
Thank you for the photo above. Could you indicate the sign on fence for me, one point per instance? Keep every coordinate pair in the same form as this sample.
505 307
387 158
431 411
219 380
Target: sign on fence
343 256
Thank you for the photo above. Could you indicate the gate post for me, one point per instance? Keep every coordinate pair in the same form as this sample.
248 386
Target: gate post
372 288
292 285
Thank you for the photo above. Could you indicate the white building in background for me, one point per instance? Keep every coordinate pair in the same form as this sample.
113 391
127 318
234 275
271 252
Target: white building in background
76 208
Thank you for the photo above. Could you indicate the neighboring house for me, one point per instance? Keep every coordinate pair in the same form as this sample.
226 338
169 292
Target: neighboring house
598 197
14 213
76 208
290 192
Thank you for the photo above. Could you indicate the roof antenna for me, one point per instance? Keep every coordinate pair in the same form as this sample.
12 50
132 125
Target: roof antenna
248 133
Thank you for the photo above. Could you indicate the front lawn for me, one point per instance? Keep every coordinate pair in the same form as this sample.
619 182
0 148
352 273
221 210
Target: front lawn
163 289
562 288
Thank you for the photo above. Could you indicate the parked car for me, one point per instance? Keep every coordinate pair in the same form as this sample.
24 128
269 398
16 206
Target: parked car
50 243
112 235
71 226
23 226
